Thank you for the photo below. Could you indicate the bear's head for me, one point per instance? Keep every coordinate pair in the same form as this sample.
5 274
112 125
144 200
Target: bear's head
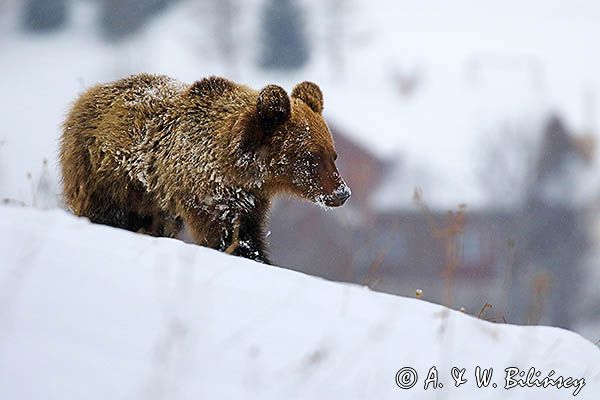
297 144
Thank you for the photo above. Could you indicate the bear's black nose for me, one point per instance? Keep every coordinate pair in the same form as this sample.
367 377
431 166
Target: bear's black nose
342 194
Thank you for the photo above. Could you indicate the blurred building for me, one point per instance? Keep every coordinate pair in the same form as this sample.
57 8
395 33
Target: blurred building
525 261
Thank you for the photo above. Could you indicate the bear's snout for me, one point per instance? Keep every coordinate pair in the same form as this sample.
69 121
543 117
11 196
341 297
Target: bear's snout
340 195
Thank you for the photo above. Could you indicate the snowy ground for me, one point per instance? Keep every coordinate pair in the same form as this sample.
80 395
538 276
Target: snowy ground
91 312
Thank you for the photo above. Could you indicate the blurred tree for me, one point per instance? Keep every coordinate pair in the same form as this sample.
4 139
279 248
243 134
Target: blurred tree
120 18
224 15
537 177
284 41
336 13
45 15
513 145
554 238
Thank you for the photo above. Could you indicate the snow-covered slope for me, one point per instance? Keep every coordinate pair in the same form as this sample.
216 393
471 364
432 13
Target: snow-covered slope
91 312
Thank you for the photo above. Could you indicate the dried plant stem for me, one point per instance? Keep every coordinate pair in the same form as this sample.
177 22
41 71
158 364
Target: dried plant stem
484 309
450 235
235 239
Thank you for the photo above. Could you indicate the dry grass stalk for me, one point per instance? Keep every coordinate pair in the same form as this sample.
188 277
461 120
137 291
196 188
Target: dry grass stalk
235 239
373 277
451 237
541 285
485 307
496 319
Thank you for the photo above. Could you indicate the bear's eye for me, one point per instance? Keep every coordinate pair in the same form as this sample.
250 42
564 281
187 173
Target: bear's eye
313 159
334 156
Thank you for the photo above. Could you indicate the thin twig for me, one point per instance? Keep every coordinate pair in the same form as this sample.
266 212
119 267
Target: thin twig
483 309
372 277
235 239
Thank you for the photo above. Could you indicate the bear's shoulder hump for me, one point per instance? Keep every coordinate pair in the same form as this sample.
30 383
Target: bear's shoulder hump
212 86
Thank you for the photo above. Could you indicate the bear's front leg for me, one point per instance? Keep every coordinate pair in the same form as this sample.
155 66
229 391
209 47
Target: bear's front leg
250 241
241 235
204 228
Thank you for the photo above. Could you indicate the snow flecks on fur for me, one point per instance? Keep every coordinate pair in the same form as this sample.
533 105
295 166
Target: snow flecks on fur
304 175
145 95
245 244
343 190
254 168
200 154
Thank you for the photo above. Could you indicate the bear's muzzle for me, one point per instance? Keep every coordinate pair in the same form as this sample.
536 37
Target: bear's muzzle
340 195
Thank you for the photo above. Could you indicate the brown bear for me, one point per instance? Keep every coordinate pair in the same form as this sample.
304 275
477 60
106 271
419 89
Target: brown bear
149 154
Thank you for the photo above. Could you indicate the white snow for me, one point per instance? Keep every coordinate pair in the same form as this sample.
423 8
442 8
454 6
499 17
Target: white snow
91 312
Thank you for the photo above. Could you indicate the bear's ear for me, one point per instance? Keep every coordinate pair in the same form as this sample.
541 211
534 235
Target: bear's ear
273 107
311 94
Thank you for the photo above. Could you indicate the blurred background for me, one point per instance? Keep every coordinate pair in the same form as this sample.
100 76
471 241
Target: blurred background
467 131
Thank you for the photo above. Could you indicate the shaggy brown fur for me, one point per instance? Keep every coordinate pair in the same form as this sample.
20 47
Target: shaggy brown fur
148 153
